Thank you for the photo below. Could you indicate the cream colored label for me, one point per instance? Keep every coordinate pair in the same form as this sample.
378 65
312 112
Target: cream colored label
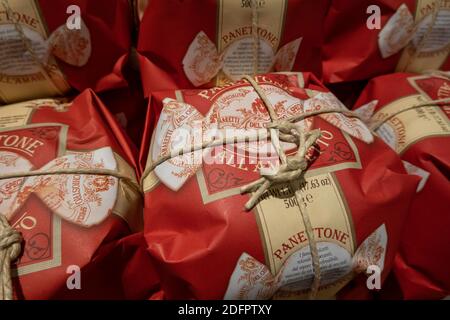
252 280
25 75
410 126
435 47
283 232
234 33
15 115
177 170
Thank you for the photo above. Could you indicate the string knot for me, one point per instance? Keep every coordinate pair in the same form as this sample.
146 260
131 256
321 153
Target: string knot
292 168
10 248
10 239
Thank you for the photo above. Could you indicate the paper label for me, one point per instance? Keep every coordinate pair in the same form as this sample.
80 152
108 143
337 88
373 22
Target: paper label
177 118
283 232
279 220
15 115
244 45
235 39
236 114
22 75
252 280
202 61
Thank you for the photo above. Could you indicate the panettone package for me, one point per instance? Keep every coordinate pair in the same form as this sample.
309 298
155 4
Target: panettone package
367 38
204 43
69 193
48 47
248 195
411 113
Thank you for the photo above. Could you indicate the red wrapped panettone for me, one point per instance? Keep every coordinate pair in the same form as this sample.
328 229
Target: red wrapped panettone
297 210
68 186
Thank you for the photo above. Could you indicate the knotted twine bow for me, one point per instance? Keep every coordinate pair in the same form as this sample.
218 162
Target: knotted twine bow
10 248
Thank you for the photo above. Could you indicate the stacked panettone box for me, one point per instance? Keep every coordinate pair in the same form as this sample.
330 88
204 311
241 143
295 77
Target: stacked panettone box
290 149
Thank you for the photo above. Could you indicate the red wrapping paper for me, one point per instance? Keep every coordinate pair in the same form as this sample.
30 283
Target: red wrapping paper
74 219
220 25
420 136
128 105
206 246
351 50
92 58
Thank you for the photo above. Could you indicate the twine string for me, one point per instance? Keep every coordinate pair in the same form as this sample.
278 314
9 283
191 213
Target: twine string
292 169
255 35
10 240
93 172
